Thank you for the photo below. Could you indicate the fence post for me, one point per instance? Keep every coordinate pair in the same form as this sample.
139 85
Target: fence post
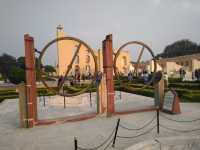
158 121
75 144
116 130
64 98
44 101
90 98
64 102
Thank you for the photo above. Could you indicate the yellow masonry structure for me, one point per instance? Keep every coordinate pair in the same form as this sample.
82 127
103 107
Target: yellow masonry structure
84 62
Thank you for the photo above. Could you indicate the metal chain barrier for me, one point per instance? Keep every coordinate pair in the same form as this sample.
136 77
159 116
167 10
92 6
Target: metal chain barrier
114 134
179 121
106 147
188 146
182 131
99 146
127 137
145 125
164 116
146 132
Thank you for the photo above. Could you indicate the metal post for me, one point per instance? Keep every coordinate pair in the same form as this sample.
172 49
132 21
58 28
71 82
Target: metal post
116 130
40 98
75 144
64 102
158 121
64 98
90 98
44 101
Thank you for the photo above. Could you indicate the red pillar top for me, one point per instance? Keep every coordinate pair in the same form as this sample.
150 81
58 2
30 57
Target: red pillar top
107 52
108 70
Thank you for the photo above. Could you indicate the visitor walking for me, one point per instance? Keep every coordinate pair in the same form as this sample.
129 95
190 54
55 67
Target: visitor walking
182 74
145 77
130 77
165 77
197 74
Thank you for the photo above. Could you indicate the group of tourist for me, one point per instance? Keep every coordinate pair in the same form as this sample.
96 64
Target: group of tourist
182 73
144 76
196 74
76 78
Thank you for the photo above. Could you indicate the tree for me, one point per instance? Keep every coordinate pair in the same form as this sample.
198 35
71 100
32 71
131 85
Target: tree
21 62
49 69
6 62
180 48
17 75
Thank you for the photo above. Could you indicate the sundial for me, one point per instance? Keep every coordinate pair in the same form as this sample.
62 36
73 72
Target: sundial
60 85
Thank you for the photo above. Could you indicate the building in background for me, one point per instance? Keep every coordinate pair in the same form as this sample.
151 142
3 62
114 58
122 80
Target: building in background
172 66
84 62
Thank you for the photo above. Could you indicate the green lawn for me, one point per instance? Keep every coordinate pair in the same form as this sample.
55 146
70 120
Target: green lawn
188 91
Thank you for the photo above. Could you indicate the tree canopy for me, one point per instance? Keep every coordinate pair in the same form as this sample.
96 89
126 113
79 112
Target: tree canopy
6 63
180 48
13 69
49 69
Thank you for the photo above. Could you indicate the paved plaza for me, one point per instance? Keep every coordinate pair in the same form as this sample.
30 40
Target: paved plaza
93 132
50 107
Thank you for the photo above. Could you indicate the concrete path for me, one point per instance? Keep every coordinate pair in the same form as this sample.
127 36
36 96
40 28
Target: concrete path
89 132
78 105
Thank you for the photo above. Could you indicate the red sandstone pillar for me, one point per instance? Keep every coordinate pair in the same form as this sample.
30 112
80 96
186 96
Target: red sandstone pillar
108 70
31 94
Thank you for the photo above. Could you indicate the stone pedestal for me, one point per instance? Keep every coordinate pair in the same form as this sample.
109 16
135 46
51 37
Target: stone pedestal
171 102
102 92
21 89
159 93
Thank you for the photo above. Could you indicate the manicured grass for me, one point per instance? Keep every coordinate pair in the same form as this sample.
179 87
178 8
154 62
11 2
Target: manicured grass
182 85
188 91
2 98
9 94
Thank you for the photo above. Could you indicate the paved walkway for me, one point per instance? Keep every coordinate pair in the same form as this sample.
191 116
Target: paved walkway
89 132
54 105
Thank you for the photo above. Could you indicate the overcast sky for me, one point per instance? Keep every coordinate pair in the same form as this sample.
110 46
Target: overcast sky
156 22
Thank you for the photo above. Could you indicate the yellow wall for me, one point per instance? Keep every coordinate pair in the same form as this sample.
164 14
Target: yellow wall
123 62
66 49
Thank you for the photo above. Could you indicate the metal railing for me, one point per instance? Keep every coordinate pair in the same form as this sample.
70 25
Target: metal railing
111 139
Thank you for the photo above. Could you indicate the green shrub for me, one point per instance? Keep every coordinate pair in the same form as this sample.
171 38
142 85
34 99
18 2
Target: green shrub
2 93
178 80
191 86
174 80
1 78
2 98
16 75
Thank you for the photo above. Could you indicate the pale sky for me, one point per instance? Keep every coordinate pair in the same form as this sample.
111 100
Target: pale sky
155 22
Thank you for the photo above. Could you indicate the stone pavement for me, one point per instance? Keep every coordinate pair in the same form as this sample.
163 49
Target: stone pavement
78 105
90 132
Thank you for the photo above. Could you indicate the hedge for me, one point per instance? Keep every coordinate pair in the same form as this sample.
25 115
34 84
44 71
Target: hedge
189 92
191 86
